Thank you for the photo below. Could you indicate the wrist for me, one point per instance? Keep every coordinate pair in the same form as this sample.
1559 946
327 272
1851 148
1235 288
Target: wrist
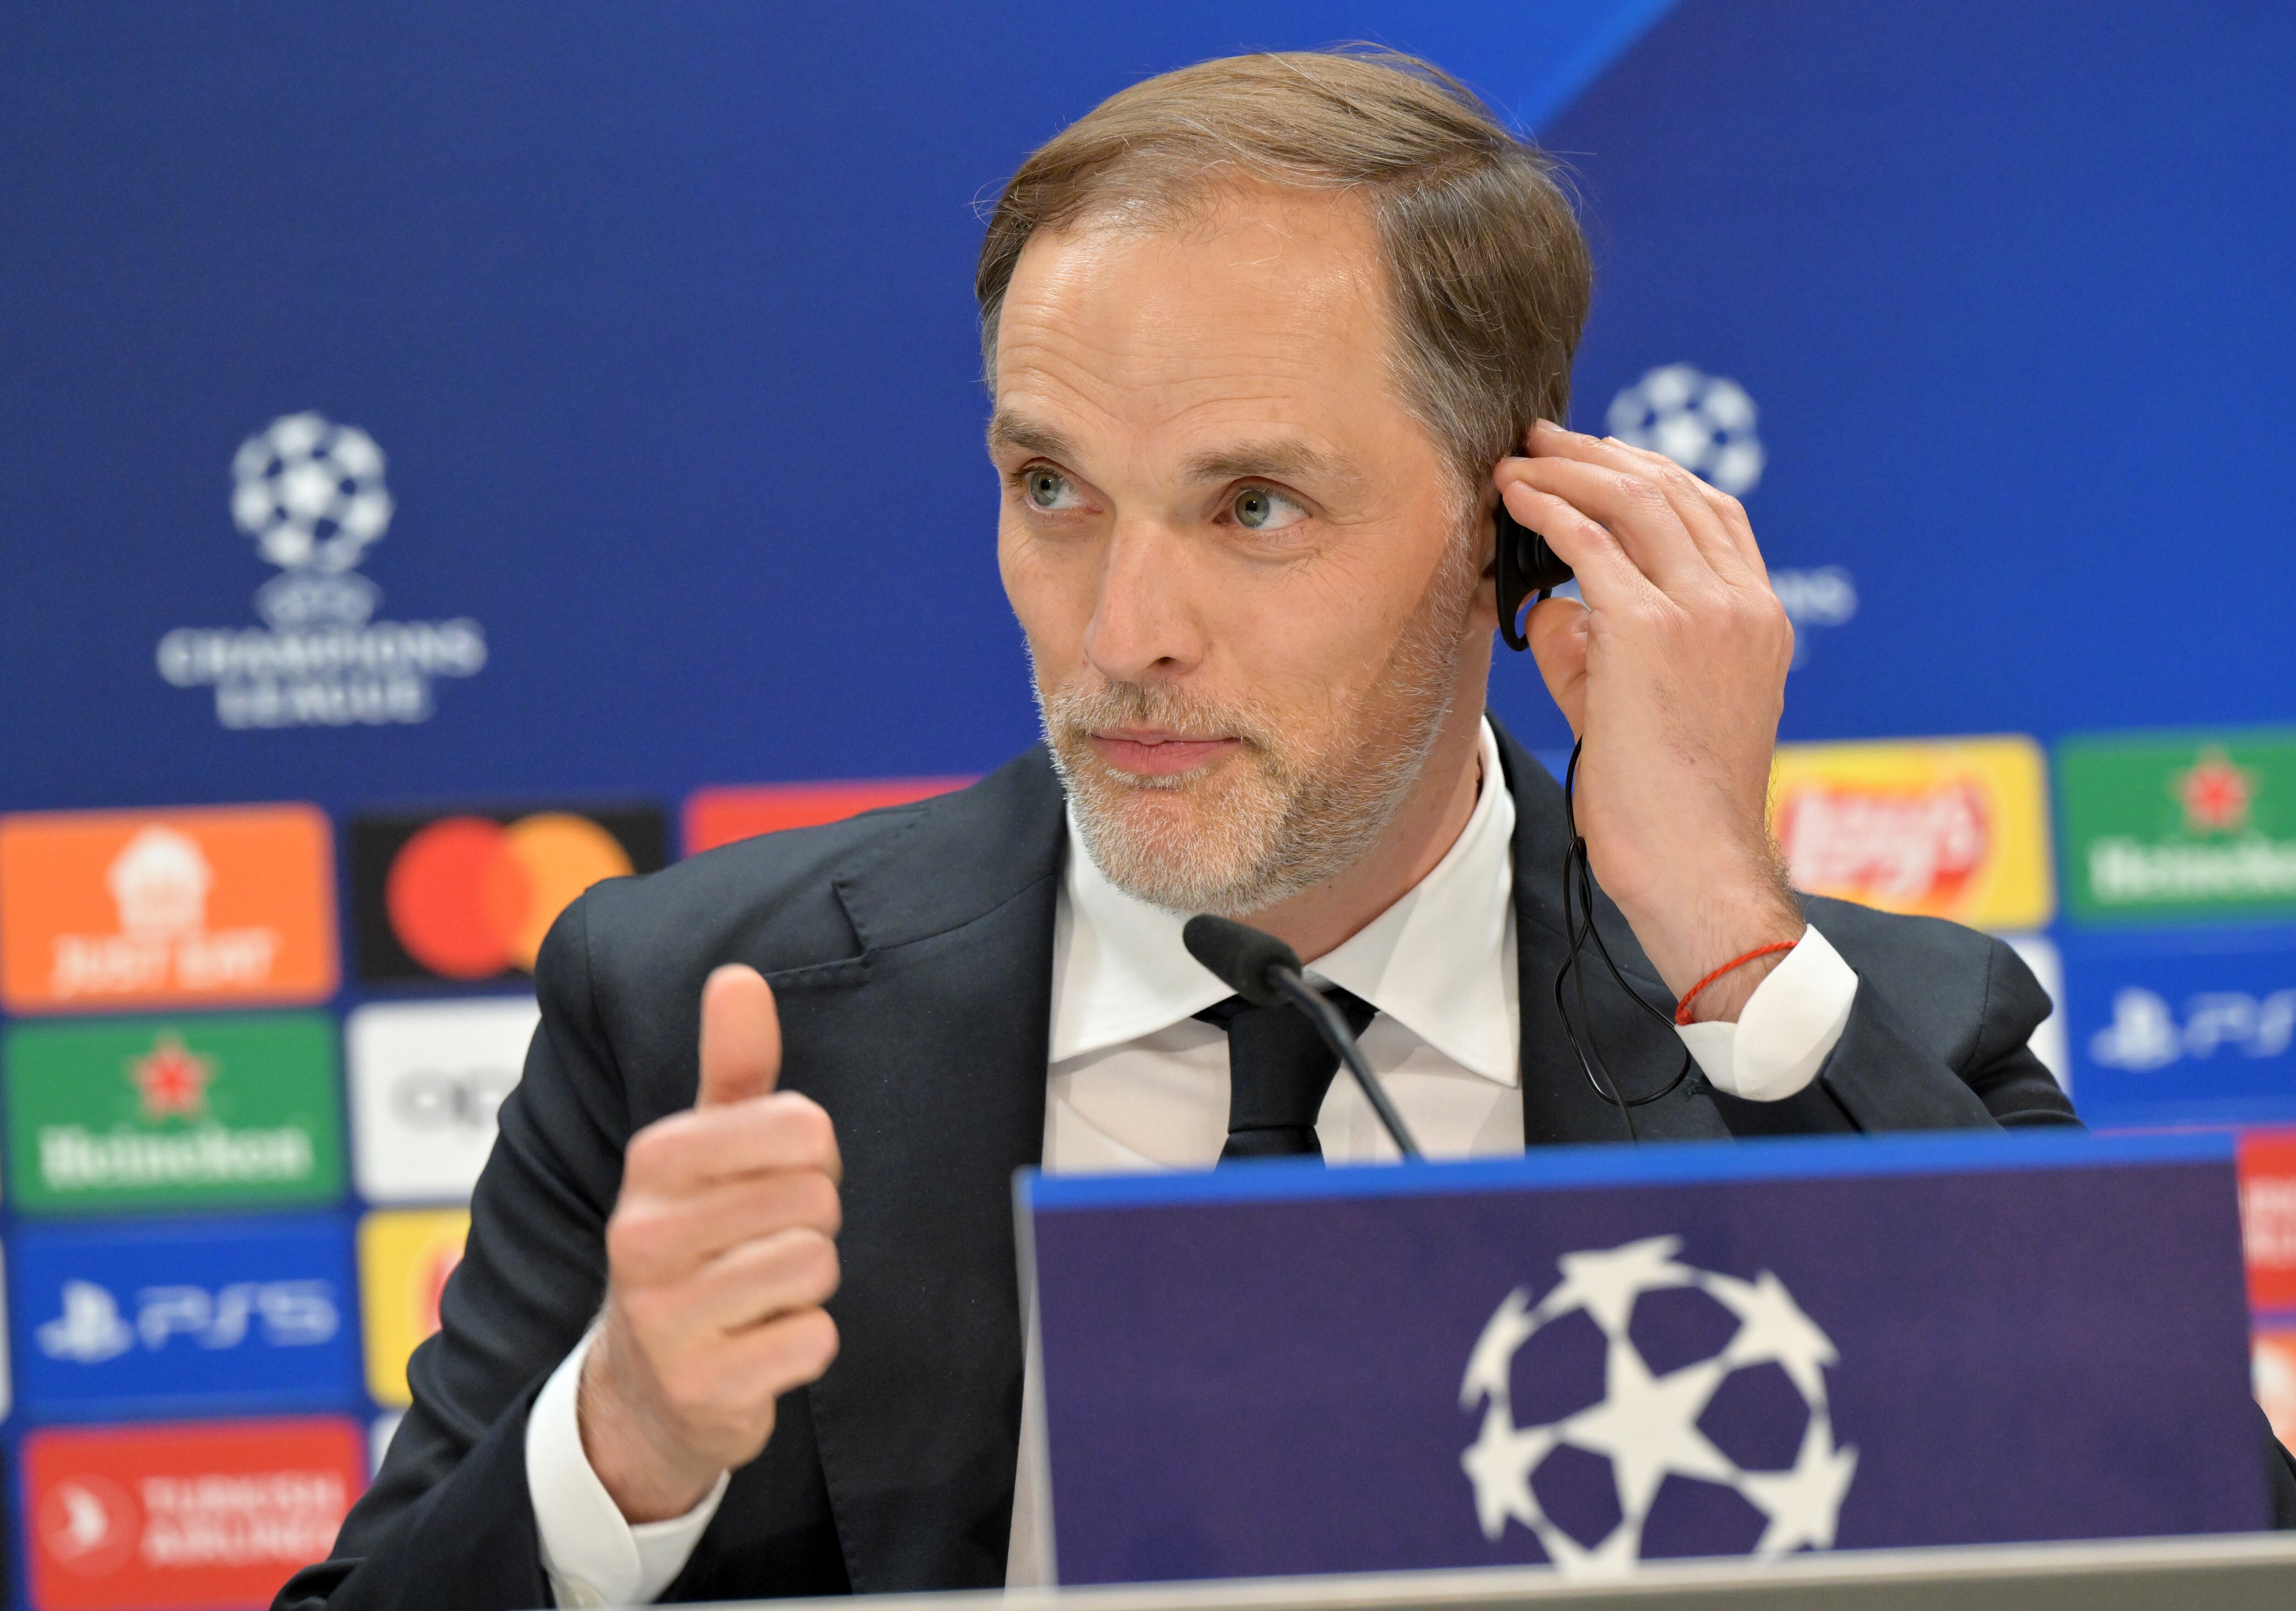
1702 928
648 1474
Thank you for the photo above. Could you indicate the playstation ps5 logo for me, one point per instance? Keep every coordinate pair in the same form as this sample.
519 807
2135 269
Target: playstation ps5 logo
1586 1479
311 493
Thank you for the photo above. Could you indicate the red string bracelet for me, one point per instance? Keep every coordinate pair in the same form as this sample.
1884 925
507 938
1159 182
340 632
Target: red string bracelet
1682 1013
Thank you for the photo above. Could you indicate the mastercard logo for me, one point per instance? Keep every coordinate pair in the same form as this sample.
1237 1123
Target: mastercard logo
468 896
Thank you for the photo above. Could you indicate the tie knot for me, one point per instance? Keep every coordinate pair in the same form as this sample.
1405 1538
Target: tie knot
1279 1071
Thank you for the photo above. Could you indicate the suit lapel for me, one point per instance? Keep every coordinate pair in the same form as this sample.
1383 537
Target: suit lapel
929 1050
1559 1103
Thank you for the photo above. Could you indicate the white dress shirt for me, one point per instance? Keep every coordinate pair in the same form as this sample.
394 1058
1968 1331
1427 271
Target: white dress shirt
1136 1082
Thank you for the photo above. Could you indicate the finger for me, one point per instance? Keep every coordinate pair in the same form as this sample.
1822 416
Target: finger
655 1239
1645 516
741 1037
1604 572
1557 631
678 1155
761 1279
1727 510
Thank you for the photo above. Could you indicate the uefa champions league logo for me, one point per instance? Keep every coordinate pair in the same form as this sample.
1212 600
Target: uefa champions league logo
1646 1424
310 493
1705 423
1702 422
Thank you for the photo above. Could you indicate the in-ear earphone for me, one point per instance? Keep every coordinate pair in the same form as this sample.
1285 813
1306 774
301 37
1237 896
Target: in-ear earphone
1526 565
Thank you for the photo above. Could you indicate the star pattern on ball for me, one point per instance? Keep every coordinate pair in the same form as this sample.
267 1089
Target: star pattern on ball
1646 1424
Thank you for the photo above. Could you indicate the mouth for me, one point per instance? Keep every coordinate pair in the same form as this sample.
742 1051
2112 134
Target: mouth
1153 753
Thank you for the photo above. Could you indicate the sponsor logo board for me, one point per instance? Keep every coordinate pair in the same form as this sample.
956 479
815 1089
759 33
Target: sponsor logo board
404 1258
2183 1037
469 895
1952 827
191 1316
102 910
2268 1219
154 1113
425 1079
185 1518
720 815
2176 828
310 495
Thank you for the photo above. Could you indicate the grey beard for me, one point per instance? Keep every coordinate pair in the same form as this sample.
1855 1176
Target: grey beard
1305 812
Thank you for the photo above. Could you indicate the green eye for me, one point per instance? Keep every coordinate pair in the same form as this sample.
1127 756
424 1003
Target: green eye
1262 509
1045 487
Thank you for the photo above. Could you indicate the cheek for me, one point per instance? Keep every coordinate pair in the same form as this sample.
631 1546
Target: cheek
1052 600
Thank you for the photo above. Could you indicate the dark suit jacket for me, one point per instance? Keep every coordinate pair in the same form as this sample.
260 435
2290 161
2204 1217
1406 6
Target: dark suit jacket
911 953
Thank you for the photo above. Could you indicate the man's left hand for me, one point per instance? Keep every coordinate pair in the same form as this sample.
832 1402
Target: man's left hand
1672 675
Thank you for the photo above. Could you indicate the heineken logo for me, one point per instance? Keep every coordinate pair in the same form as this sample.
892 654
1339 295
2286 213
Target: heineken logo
172 1081
2215 794
2165 828
126 1115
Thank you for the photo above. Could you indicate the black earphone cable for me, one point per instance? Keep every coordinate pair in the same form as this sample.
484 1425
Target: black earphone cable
1579 927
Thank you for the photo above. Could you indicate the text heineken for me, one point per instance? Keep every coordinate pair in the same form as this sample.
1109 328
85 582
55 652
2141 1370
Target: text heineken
2161 827
129 1113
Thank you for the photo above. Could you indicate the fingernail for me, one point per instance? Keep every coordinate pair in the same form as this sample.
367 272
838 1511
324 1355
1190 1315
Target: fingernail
1547 425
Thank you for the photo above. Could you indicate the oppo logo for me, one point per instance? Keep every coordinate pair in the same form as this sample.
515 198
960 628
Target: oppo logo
452 1099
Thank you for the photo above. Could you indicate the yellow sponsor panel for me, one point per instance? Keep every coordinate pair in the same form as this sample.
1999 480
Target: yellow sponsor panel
404 1258
1946 827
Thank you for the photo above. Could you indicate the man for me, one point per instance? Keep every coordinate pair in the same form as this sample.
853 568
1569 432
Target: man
1269 338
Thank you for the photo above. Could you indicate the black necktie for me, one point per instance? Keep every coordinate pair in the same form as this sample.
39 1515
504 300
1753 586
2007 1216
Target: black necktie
1278 1071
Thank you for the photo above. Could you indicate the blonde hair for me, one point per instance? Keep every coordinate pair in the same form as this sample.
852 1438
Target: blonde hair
1487 270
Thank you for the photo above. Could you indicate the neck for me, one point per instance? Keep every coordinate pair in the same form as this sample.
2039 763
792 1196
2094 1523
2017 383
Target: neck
1319 921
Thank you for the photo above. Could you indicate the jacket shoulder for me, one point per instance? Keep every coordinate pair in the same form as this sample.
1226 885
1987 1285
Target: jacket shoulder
1968 995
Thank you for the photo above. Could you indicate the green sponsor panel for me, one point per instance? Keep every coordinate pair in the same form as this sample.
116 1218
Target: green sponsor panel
188 1112
2176 827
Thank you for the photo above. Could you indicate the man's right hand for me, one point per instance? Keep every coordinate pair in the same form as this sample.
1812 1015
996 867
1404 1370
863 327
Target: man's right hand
720 1253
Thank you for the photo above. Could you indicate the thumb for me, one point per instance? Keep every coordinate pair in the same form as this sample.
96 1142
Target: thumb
741 1037
1557 631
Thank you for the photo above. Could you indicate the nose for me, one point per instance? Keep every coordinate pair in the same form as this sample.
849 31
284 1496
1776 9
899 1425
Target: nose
1144 626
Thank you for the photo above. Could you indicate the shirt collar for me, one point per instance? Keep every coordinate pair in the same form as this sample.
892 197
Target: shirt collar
1435 961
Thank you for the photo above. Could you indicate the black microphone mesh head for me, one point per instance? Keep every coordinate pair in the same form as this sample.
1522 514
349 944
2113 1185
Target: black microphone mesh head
1239 956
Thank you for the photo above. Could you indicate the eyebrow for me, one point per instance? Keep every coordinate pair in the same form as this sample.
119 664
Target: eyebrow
1277 459
1008 432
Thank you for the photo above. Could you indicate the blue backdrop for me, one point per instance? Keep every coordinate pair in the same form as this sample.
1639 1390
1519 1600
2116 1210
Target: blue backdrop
663 320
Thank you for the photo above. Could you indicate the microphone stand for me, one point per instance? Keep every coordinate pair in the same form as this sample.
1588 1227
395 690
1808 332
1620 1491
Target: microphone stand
1334 1027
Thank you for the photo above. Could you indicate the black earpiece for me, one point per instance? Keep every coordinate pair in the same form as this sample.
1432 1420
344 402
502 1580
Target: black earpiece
1526 566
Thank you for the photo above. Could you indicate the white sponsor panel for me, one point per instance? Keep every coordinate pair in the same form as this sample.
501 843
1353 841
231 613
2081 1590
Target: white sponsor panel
2048 1042
425 1079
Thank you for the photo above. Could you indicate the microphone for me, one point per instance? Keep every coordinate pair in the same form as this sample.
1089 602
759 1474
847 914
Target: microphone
1267 973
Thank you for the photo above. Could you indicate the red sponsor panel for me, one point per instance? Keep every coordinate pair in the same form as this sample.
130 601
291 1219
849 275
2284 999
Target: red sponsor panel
716 817
187 1517
2268 1216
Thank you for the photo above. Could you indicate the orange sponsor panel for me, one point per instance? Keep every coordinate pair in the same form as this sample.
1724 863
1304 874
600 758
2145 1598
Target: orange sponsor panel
207 906
716 817
2268 1216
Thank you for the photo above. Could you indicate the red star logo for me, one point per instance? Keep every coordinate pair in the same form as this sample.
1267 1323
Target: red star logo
2214 793
172 1081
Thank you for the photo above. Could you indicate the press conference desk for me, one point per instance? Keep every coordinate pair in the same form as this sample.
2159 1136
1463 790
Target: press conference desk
2214 1573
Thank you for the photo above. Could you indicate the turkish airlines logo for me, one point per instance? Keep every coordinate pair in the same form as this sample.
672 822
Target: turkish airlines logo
183 1518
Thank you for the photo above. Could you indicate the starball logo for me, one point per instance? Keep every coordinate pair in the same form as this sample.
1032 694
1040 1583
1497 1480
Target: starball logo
310 493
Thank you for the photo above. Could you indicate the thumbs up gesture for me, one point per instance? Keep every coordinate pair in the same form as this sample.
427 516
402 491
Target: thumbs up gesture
720 1252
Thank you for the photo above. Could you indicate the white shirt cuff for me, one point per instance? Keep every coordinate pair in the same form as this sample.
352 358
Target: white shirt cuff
592 1554
1786 1029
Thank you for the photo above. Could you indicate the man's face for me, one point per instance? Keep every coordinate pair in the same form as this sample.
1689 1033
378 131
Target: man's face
1243 566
